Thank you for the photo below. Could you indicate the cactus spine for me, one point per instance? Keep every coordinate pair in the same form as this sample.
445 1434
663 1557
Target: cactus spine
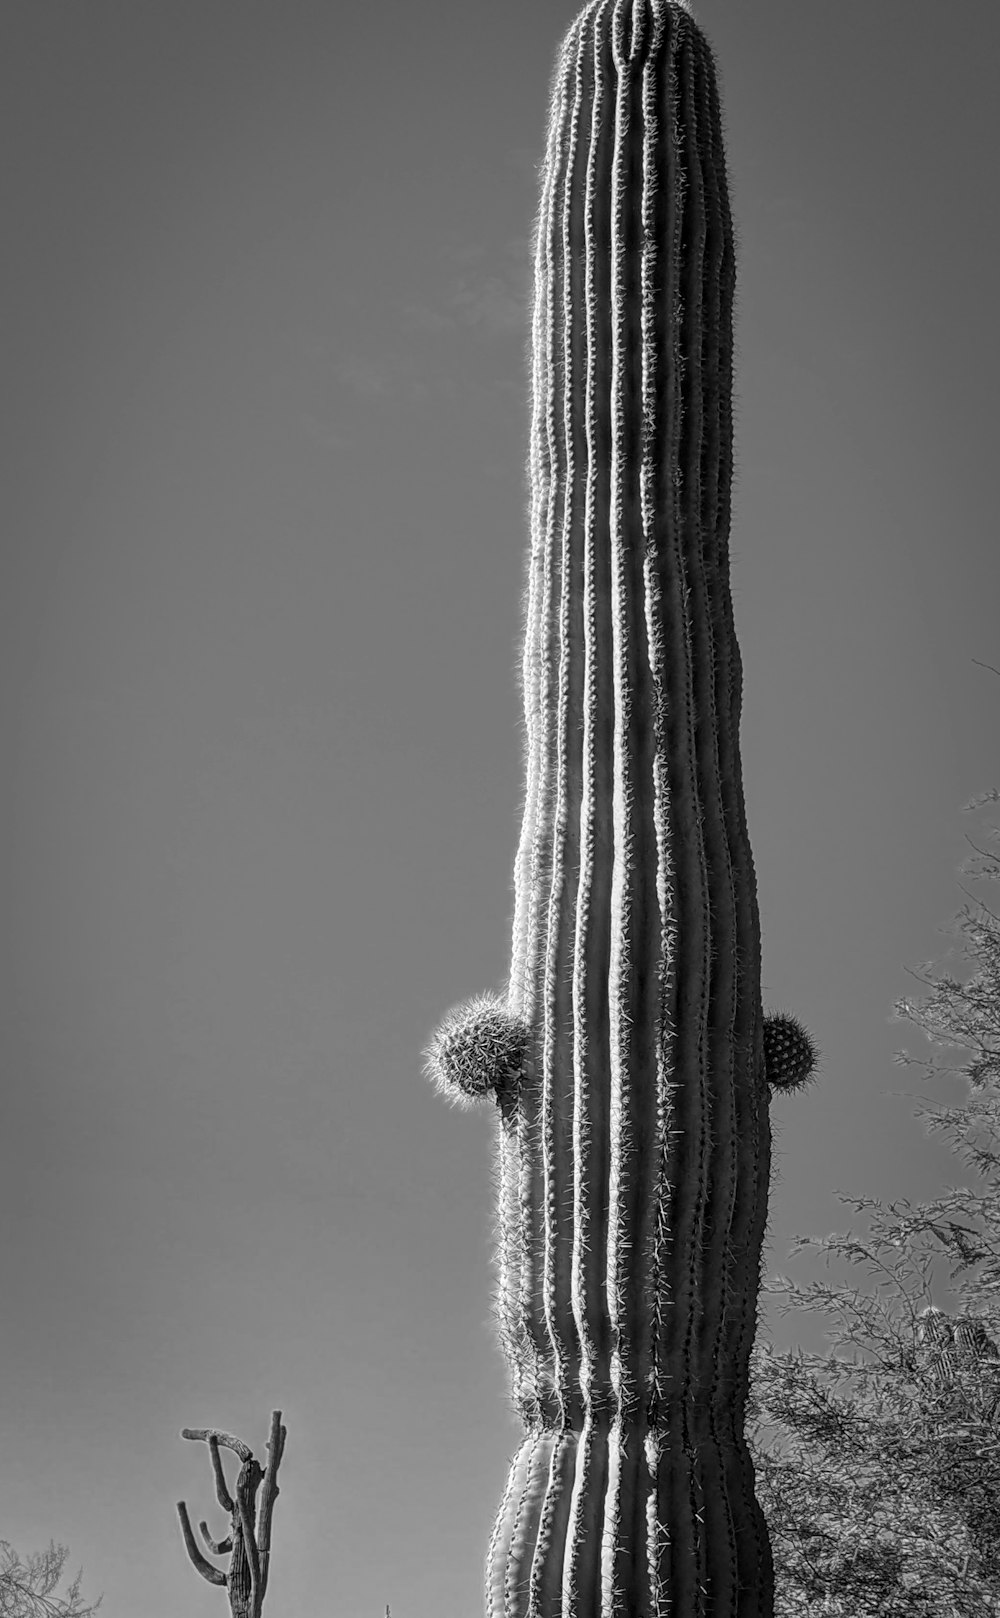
634 1142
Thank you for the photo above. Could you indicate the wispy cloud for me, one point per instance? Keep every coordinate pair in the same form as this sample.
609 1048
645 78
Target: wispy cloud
485 290
421 317
525 159
382 376
481 293
323 432
492 305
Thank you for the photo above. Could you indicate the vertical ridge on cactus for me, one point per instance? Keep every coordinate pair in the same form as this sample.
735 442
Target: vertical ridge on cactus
634 1147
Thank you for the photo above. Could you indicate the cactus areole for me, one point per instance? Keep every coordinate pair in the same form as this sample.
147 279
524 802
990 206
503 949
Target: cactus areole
633 1136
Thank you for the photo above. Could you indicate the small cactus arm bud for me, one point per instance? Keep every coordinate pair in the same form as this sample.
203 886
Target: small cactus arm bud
477 1050
790 1056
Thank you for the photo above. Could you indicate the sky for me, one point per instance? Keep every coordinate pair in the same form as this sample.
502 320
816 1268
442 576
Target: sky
265 285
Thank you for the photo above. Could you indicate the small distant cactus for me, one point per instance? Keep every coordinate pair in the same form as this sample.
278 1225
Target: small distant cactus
790 1055
248 1543
961 1343
973 1340
967 1333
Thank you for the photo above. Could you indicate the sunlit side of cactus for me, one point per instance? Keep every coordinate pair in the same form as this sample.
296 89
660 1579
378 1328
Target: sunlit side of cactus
634 1139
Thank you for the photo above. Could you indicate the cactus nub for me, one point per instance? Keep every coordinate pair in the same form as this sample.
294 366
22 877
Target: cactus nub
634 1146
790 1055
478 1049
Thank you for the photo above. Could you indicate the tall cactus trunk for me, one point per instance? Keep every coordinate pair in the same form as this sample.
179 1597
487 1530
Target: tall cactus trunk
634 1143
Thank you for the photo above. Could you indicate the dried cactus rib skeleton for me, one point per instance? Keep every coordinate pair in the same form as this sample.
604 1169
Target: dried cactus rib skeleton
248 1543
633 1128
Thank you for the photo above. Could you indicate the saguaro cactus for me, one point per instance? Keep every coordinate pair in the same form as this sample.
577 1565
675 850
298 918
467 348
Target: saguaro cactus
248 1543
628 1056
953 1346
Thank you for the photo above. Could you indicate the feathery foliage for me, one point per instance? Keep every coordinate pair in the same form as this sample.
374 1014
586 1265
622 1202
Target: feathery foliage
29 1585
880 1476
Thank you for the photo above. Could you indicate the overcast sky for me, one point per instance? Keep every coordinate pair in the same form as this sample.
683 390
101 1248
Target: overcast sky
264 289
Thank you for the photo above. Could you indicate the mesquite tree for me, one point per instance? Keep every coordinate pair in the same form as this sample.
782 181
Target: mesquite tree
880 1476
248 1543
629 1058
29 1585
